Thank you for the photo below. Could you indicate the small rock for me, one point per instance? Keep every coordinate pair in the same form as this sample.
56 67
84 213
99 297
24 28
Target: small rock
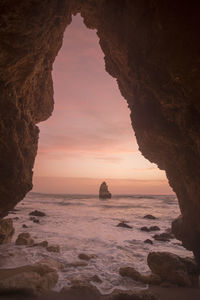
6 231
154 228
78 264
96 278
124 225
41 244
53 248
37 213
35 220
163 237
148 241
24 239
24 226
85 256
144 228
150 217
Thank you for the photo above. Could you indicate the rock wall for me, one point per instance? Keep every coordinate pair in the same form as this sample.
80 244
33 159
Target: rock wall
151 47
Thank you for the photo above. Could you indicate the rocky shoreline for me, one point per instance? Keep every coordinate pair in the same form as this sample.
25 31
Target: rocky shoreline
167 271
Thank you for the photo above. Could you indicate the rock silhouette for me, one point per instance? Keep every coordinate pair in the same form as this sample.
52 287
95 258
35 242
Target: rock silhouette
104 192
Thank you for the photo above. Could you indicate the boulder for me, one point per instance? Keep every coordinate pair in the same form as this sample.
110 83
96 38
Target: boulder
137 276
53 248
37 213
124 225
104 192
34 279
174 269
24 239
6 230
150 217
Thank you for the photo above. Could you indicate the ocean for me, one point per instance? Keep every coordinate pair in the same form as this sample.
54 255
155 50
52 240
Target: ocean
85 224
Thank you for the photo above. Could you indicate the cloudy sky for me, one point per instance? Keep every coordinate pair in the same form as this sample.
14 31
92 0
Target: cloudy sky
89 137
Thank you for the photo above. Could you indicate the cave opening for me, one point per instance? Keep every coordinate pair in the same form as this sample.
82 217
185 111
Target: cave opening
159 64
89 137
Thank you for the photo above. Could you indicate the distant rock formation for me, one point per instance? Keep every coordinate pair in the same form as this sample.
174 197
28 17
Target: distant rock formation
104 192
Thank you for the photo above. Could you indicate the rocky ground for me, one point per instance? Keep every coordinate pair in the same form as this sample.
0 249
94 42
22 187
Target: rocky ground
170 276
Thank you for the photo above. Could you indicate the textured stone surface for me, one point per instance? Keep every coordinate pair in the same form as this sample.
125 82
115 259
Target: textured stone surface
24 238
151 47
33 279
6 230
174 269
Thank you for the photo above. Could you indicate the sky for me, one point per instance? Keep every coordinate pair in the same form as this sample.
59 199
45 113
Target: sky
89 137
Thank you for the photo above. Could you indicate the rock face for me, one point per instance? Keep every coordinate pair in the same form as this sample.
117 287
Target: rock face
174 269
152 49
6 230
34 279
104 192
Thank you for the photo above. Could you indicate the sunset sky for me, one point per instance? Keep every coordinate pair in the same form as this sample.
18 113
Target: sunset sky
89 137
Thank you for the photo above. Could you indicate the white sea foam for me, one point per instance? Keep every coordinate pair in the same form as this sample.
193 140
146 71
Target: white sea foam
85 224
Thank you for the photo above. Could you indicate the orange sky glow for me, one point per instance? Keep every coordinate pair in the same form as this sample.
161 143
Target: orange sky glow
89 137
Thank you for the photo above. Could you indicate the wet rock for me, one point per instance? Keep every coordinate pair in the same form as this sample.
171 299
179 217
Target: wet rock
52 263
41 244
151 228
24 239
144 228
131 273
130 295
150 217
37 213
148 241
95 278
104 192
78 264
53 248
124 225
154 228
84 256
163 237
6 230
81 291
24 226
137 276
35 220
34 279
174 269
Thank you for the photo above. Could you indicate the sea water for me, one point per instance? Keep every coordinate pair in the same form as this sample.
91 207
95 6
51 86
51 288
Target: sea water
85 224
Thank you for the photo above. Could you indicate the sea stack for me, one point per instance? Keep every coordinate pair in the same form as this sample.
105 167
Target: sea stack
104 192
